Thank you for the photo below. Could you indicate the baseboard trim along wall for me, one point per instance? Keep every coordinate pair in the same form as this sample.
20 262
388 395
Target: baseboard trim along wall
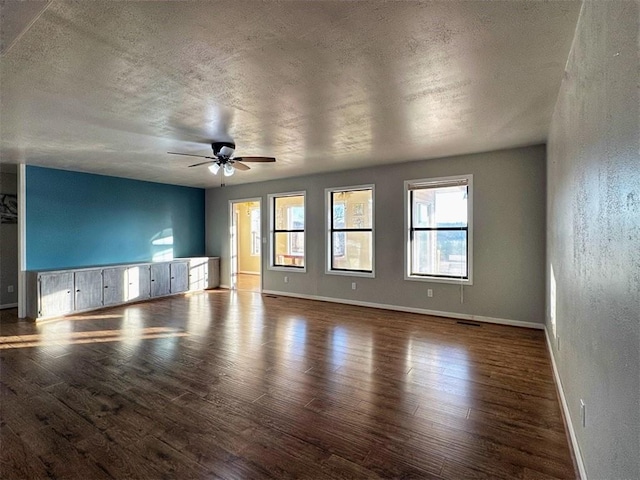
565 410
8 305
399 308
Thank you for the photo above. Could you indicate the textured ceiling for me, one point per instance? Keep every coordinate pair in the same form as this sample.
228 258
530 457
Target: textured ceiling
109 87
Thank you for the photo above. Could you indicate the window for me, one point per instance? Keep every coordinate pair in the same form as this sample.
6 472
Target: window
254 214
350 230
439 235
287 230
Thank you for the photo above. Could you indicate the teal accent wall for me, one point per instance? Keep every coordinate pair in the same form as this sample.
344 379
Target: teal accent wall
78 219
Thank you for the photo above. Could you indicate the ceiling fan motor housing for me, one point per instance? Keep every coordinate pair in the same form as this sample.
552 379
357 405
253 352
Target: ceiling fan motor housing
223 149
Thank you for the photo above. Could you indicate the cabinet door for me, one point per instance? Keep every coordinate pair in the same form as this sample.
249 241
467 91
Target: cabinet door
213 273
88 289
179 277
54 295
160 279
138 283
198 273
113 283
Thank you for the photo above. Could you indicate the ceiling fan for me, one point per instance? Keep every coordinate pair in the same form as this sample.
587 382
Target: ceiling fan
223 159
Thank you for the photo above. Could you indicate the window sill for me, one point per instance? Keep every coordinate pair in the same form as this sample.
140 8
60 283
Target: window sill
451 281
347 273
284 268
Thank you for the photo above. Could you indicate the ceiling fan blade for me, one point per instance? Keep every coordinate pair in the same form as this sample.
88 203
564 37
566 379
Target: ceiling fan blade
190 155
240 166
255 159
204 163
206 125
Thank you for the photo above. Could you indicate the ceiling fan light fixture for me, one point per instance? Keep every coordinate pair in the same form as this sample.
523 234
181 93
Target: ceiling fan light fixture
214 168
229 170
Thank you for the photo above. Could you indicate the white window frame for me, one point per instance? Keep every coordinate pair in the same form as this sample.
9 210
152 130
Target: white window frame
328 216
443 181
256 241
272 223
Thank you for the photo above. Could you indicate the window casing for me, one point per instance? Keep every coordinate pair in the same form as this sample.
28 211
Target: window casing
288 226
350 230
439 234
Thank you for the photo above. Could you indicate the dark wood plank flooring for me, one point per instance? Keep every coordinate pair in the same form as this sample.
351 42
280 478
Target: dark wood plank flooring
232 385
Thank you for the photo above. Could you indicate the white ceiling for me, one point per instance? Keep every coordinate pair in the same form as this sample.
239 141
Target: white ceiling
109 87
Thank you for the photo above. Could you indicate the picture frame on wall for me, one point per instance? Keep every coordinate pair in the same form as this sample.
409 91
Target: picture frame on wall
8 208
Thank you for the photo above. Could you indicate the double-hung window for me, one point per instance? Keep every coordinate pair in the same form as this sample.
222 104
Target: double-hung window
439 229
350 227
287 230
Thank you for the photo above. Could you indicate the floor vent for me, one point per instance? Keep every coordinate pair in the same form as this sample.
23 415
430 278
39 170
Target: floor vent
470 324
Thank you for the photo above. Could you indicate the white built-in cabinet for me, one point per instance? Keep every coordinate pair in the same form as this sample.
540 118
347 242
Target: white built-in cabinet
160 284
114 286
138 283
57 293
88 289
204 273
179 277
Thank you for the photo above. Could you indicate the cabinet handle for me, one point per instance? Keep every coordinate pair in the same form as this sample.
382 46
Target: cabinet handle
106 286
152 280
77 291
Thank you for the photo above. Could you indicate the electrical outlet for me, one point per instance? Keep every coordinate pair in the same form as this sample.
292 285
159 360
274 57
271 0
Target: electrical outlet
10 289
583 413
286 279
353 285
429 292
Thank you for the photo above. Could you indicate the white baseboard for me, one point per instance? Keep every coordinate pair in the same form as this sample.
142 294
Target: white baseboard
224 286
8 305
399 308
565 409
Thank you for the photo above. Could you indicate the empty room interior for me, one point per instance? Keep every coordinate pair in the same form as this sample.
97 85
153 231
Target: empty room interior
320 239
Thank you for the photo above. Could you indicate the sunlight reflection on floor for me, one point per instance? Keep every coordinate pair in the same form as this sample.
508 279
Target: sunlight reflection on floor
58 338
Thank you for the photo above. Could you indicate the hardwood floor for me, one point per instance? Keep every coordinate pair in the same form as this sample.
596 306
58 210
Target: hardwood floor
248 282
223 384
8 315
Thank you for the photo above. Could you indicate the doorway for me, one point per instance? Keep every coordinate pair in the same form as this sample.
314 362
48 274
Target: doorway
246 244
9 241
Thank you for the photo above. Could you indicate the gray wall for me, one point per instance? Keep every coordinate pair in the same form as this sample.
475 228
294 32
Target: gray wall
509 238
594 237
8 246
